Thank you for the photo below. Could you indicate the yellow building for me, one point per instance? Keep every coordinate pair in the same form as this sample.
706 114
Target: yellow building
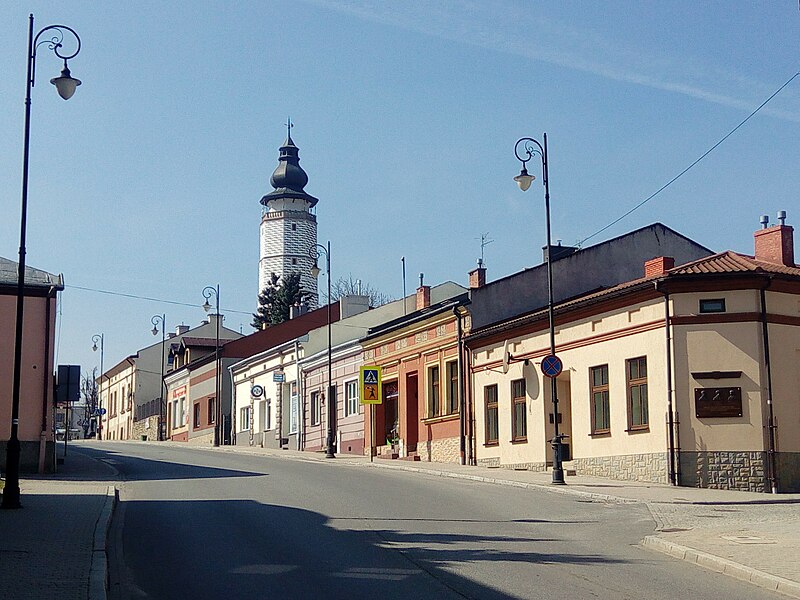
690 375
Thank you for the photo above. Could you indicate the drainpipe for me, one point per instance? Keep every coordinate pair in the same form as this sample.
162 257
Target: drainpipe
47 380
673 458
233 407
299 432
462 416
773 479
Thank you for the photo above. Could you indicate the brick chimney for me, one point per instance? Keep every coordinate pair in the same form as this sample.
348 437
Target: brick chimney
658 266
477 277
423 294
775 244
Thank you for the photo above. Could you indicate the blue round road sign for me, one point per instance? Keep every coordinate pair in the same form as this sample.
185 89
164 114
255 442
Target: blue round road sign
552 366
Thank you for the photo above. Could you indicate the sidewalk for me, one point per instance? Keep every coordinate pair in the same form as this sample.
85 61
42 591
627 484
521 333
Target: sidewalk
54 546
750 536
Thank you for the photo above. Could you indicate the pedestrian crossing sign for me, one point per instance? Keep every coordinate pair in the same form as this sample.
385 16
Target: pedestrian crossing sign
370 383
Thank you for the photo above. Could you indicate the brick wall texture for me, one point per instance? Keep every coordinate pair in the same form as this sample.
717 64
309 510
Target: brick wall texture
445 450
725 470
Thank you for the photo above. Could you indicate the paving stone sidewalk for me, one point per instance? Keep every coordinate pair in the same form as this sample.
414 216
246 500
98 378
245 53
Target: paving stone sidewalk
750 536
54 546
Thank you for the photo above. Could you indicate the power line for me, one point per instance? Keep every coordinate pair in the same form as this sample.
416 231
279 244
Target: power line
149 299
702 156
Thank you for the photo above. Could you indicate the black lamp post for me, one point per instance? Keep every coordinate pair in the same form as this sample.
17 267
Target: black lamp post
209 291
65 85
529 147
157 320
99 338
316 252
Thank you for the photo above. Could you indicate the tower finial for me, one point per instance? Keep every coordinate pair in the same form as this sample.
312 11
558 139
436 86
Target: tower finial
289 126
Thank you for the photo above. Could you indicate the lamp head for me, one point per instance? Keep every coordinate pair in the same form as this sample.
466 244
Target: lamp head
94 348
315 270
155 330
524 179
206 306
65 84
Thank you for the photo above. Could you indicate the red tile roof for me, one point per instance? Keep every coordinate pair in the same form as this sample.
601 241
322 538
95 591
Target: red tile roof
732 262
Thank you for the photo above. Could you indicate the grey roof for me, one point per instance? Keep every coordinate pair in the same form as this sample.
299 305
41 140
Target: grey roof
289 178
33 277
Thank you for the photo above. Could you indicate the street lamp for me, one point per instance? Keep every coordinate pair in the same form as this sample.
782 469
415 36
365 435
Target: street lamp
101 339
316 251
209 291
529 147
156 320
65 85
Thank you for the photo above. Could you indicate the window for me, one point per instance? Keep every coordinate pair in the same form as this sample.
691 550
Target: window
245 418
212 411
315 408
637 393
434 410
294 226
713 305
196 422
451 369
293 408
294 261
490 398
351 398
519 423
601 420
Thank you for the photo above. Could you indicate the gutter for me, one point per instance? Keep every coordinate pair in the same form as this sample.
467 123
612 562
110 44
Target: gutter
462 403
48 379
771 462
673 466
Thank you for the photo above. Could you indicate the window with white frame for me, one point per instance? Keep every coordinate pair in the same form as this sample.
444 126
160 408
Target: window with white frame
244 416
351 398
293 408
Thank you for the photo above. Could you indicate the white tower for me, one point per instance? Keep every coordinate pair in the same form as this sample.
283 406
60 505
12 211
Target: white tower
288 227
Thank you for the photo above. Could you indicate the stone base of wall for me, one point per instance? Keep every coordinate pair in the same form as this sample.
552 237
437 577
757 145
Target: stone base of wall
447 450
29 456
146 429
206 439
651 468
489 462
527 466
788 466
744 471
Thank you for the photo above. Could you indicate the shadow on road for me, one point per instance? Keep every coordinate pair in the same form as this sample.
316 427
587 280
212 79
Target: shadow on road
94 464
246 549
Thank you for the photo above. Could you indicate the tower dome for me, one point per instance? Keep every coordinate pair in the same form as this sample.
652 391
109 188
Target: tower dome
289 178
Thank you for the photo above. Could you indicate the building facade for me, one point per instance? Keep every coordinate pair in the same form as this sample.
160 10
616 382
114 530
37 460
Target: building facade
35 431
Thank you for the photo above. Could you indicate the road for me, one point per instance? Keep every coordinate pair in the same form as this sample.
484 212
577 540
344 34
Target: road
199 524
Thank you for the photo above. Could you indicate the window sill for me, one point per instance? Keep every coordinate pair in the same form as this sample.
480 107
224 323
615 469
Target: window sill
491 444
645 429
440 419
600 434
520 441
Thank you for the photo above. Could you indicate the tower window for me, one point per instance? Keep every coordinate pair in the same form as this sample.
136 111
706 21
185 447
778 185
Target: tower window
294 261
294 226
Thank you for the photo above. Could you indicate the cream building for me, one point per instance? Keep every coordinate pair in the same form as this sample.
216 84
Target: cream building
116 391
687 375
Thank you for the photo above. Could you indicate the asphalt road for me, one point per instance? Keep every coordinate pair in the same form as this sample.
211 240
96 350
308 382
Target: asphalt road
200 524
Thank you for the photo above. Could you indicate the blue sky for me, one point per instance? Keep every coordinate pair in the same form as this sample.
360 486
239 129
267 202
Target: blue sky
147 182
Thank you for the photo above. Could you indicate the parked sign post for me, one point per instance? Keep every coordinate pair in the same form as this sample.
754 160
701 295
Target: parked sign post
369 382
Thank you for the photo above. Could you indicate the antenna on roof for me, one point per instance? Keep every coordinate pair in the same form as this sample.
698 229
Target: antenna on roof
485 241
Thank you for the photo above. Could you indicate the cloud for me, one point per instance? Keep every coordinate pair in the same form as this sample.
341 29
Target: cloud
504 29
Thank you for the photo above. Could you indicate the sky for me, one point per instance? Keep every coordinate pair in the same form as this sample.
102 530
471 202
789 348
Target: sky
145 186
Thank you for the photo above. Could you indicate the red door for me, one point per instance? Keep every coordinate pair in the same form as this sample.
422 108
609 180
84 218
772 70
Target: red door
412 412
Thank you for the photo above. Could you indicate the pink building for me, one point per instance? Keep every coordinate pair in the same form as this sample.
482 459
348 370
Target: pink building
36 389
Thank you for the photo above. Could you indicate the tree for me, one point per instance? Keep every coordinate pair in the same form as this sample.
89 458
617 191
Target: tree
90 393
349 286
276 298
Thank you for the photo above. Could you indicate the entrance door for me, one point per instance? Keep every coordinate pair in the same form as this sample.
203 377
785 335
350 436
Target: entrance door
564 416
390 423
412 413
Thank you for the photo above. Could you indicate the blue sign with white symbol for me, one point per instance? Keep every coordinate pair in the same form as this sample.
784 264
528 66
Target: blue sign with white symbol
101 411
552 366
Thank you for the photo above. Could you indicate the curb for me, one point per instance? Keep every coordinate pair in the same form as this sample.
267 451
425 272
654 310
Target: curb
723 566
98 571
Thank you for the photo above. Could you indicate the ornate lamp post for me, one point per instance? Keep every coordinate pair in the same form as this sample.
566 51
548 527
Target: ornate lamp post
529 148
209 291
65 85
101 339
316 252
157 320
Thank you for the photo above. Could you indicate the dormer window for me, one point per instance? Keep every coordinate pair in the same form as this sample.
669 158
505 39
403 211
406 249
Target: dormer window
712 305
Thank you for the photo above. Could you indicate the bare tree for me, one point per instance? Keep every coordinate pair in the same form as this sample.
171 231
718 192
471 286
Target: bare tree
348 286
90 392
